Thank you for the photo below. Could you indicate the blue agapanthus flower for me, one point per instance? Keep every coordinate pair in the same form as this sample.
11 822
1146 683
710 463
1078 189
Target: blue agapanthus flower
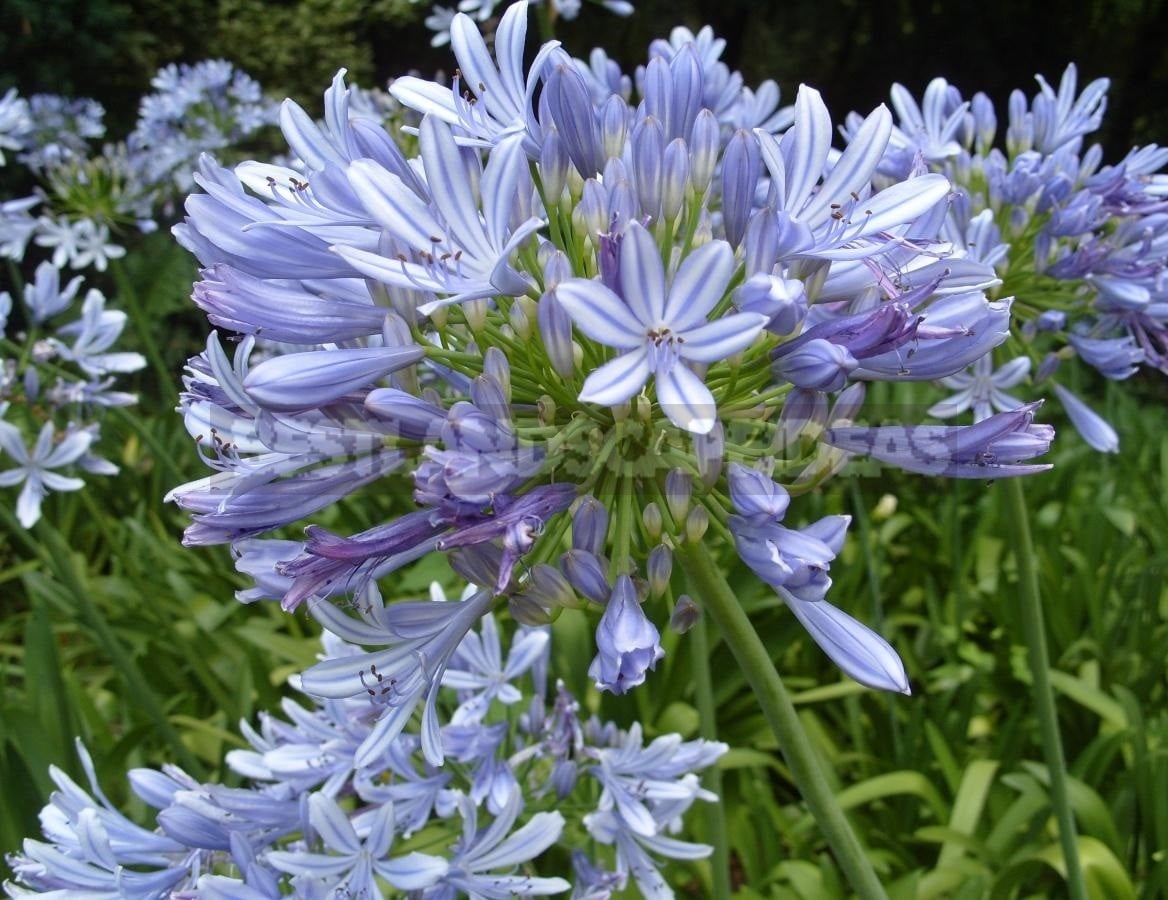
579 330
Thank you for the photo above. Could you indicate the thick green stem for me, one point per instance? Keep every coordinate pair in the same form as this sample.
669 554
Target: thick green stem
717 598
716 831
1036 653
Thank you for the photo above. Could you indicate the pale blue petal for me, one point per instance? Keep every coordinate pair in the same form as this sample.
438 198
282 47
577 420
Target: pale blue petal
805 146
686 400
642 276
332 825
699 284
617 380
412 872
859 651
393 205
601 314
853 170
722 338
447 178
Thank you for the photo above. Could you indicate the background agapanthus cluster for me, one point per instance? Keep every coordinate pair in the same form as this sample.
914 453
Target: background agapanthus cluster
590 341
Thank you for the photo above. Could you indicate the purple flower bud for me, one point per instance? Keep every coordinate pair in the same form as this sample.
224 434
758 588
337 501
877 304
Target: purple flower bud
410 416
685 615
648 155
590 217
553 166
589 526
1114 358
496 365
817 365
585 573
305 380
487 394
709 450
754 493
678 488
570 106
803 411
674 179
704 143
614 125
741 164
1051 320
685 70
657 90
658 568
628 645
555 328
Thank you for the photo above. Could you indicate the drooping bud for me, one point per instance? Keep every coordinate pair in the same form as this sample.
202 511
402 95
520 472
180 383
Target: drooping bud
585 573
685 615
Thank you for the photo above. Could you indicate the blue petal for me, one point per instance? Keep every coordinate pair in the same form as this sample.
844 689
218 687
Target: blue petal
686 400
642 275
699 284
600 314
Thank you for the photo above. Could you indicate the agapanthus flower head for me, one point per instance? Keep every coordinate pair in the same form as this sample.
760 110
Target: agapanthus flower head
551 342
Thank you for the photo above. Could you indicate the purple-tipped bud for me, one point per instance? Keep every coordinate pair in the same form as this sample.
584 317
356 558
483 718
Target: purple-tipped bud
709 451
496 365
985 122
659 567
590 217
488 396
685 70
686 615
553 166
549 586
803 411
674 179
678 490
741 165
756 494
411 417
589 526
627 643
657 90
704 143
817 365
585 573
648 157
614 126
696 524
295 381
555 328
1046 369
653 521
570 105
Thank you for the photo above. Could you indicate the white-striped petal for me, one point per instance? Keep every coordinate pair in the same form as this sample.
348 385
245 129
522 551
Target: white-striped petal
617 380
699 284
642 275
721 338
600 314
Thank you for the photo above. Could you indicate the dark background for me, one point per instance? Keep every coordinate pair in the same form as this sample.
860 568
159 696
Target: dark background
852 50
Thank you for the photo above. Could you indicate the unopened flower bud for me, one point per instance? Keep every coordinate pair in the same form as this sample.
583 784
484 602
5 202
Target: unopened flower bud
685 615
496 365
614 124
528 610
589 525
555 328
674 179
678 489
546 408
703 150
585 573
696 524
553 166
651 517
658 568
476 314
648 152
521 317
590 216
709 450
